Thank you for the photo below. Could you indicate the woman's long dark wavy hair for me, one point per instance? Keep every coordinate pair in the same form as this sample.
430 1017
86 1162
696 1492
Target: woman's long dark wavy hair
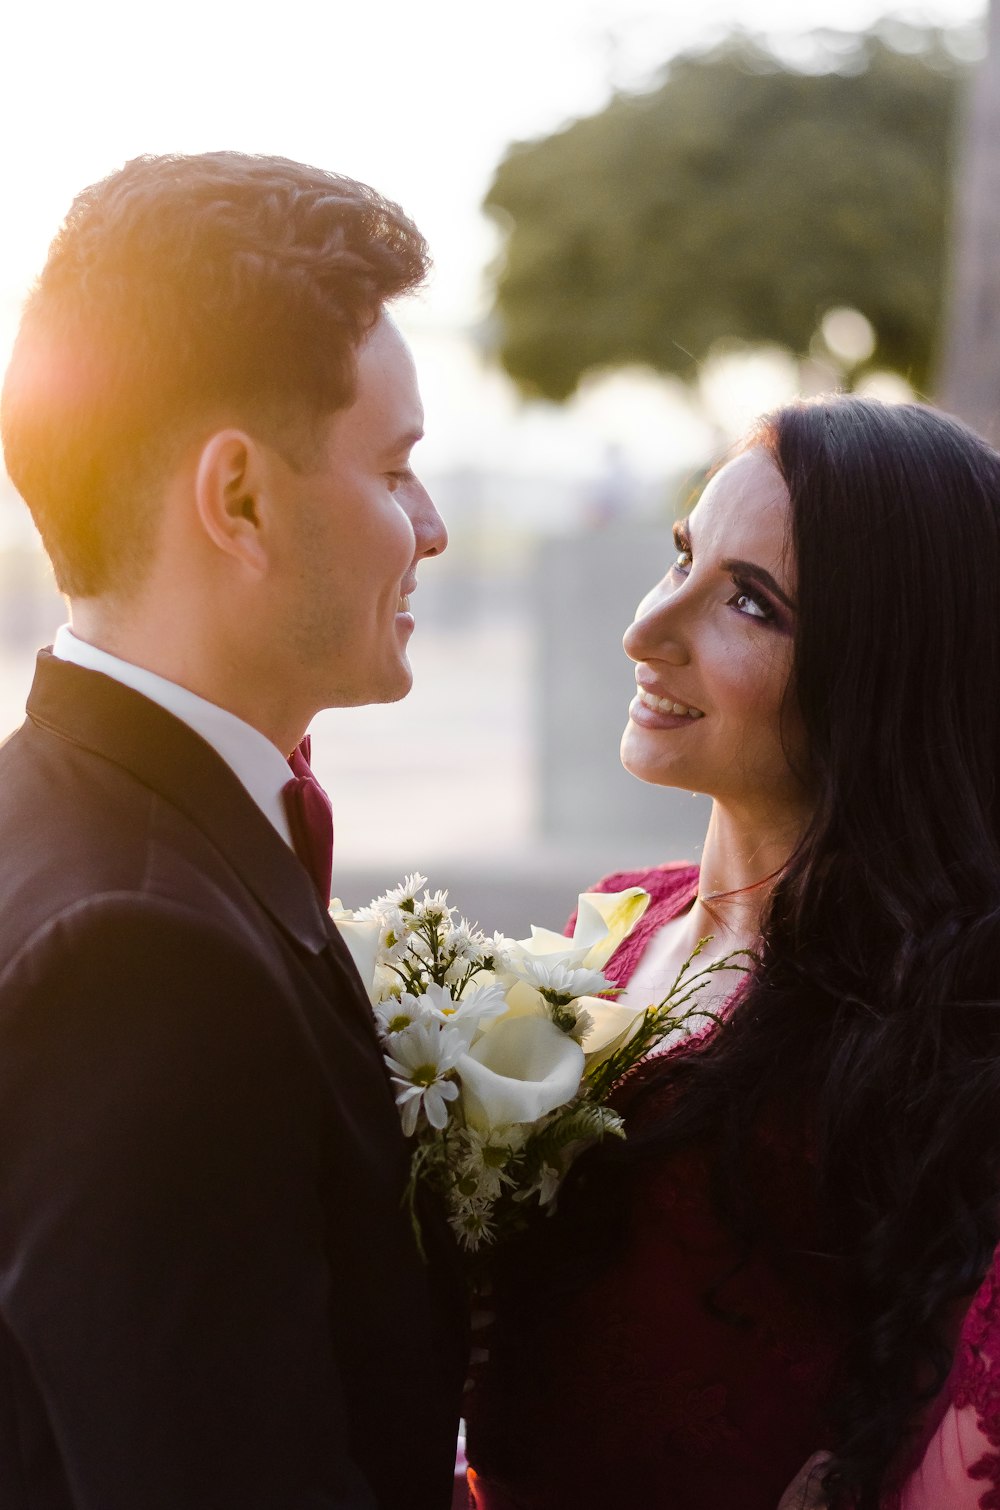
879 988
876 1007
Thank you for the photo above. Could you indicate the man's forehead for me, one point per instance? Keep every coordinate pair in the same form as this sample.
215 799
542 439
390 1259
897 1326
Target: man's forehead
386 392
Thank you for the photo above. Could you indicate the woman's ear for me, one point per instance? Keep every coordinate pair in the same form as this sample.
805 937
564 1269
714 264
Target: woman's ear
230 484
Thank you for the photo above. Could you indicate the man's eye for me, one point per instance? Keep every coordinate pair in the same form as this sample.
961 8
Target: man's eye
397 479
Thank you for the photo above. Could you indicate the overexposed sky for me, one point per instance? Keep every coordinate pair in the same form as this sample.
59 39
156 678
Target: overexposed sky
419 99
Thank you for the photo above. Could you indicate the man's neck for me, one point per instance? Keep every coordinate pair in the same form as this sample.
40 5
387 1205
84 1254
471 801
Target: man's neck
196 667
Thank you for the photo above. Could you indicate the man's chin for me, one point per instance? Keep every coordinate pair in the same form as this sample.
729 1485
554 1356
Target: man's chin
401 683
397 695
391 690
392 687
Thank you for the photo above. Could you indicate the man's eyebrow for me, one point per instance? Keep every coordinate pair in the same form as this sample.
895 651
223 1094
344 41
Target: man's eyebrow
759 574
405 442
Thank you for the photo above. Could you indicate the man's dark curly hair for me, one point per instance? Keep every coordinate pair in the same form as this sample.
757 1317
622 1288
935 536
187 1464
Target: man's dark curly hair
180 294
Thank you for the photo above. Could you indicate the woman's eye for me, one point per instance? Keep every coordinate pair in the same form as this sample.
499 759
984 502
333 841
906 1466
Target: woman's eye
745 601
683 561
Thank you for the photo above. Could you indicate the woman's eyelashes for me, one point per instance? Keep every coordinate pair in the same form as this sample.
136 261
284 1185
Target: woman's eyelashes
748 600
683 548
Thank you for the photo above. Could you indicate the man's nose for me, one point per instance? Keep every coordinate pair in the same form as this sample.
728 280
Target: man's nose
428 526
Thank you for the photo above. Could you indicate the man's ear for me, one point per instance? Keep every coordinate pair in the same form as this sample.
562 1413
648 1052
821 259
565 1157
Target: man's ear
229 487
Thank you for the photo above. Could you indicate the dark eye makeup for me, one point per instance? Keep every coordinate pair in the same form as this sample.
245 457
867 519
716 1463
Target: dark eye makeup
750 599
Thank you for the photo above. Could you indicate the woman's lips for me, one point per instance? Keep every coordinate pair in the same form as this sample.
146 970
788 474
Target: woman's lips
656 697
652 712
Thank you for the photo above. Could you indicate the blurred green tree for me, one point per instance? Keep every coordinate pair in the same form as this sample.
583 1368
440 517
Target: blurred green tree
740 199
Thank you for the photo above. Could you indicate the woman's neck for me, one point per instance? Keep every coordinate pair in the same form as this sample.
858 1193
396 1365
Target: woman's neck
741 862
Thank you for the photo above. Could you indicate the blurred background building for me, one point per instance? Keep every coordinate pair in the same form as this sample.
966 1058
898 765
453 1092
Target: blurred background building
648 227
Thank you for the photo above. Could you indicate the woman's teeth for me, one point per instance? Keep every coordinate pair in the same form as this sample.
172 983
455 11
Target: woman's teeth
404 603
667 705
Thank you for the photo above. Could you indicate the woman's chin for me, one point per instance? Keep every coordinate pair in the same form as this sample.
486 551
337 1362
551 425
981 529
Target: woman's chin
645 758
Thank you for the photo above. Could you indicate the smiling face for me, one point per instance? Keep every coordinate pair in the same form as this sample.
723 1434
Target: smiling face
354 529
713 645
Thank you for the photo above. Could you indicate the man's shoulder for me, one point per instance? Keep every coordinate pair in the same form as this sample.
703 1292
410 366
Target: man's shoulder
138 937
47 781
81 837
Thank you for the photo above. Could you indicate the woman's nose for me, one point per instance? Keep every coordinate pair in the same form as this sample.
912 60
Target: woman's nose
656 633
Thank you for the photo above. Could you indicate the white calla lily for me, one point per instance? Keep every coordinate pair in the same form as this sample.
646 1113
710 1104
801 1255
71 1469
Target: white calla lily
544 944
519 1071
361 935
603 919
523 1000
611 1023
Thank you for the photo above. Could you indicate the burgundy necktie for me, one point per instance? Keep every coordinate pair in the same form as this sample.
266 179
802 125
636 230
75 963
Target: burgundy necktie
310 818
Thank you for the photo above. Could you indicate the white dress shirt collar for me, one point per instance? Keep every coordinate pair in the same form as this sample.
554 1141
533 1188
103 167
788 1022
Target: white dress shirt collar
250 755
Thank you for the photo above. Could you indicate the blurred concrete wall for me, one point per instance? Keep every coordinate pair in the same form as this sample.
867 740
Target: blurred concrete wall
586 591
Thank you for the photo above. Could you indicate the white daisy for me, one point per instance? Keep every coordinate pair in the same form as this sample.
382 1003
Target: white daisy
387 984
434 908
584 1023
394 936
401 1012
405 892
456 973
484 1160
571 1019
470 1221
419 948
499 947
545 1185
465 942
394 926
438 1002
422 1057
479 1004
557 981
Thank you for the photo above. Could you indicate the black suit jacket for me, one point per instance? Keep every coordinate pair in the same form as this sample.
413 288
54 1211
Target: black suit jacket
210 1296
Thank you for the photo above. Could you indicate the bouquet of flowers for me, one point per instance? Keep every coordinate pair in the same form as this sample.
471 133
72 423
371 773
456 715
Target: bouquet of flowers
503 1052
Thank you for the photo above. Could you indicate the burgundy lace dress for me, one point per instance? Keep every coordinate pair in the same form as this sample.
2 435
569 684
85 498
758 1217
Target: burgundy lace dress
957 1463
684 1372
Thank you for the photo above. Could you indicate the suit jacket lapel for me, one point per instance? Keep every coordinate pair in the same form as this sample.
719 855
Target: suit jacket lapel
111 720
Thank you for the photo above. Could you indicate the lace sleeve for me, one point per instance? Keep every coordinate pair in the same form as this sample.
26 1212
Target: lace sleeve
960 1466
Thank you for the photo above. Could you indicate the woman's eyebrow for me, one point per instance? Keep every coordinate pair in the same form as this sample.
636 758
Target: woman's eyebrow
682 533
751 569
